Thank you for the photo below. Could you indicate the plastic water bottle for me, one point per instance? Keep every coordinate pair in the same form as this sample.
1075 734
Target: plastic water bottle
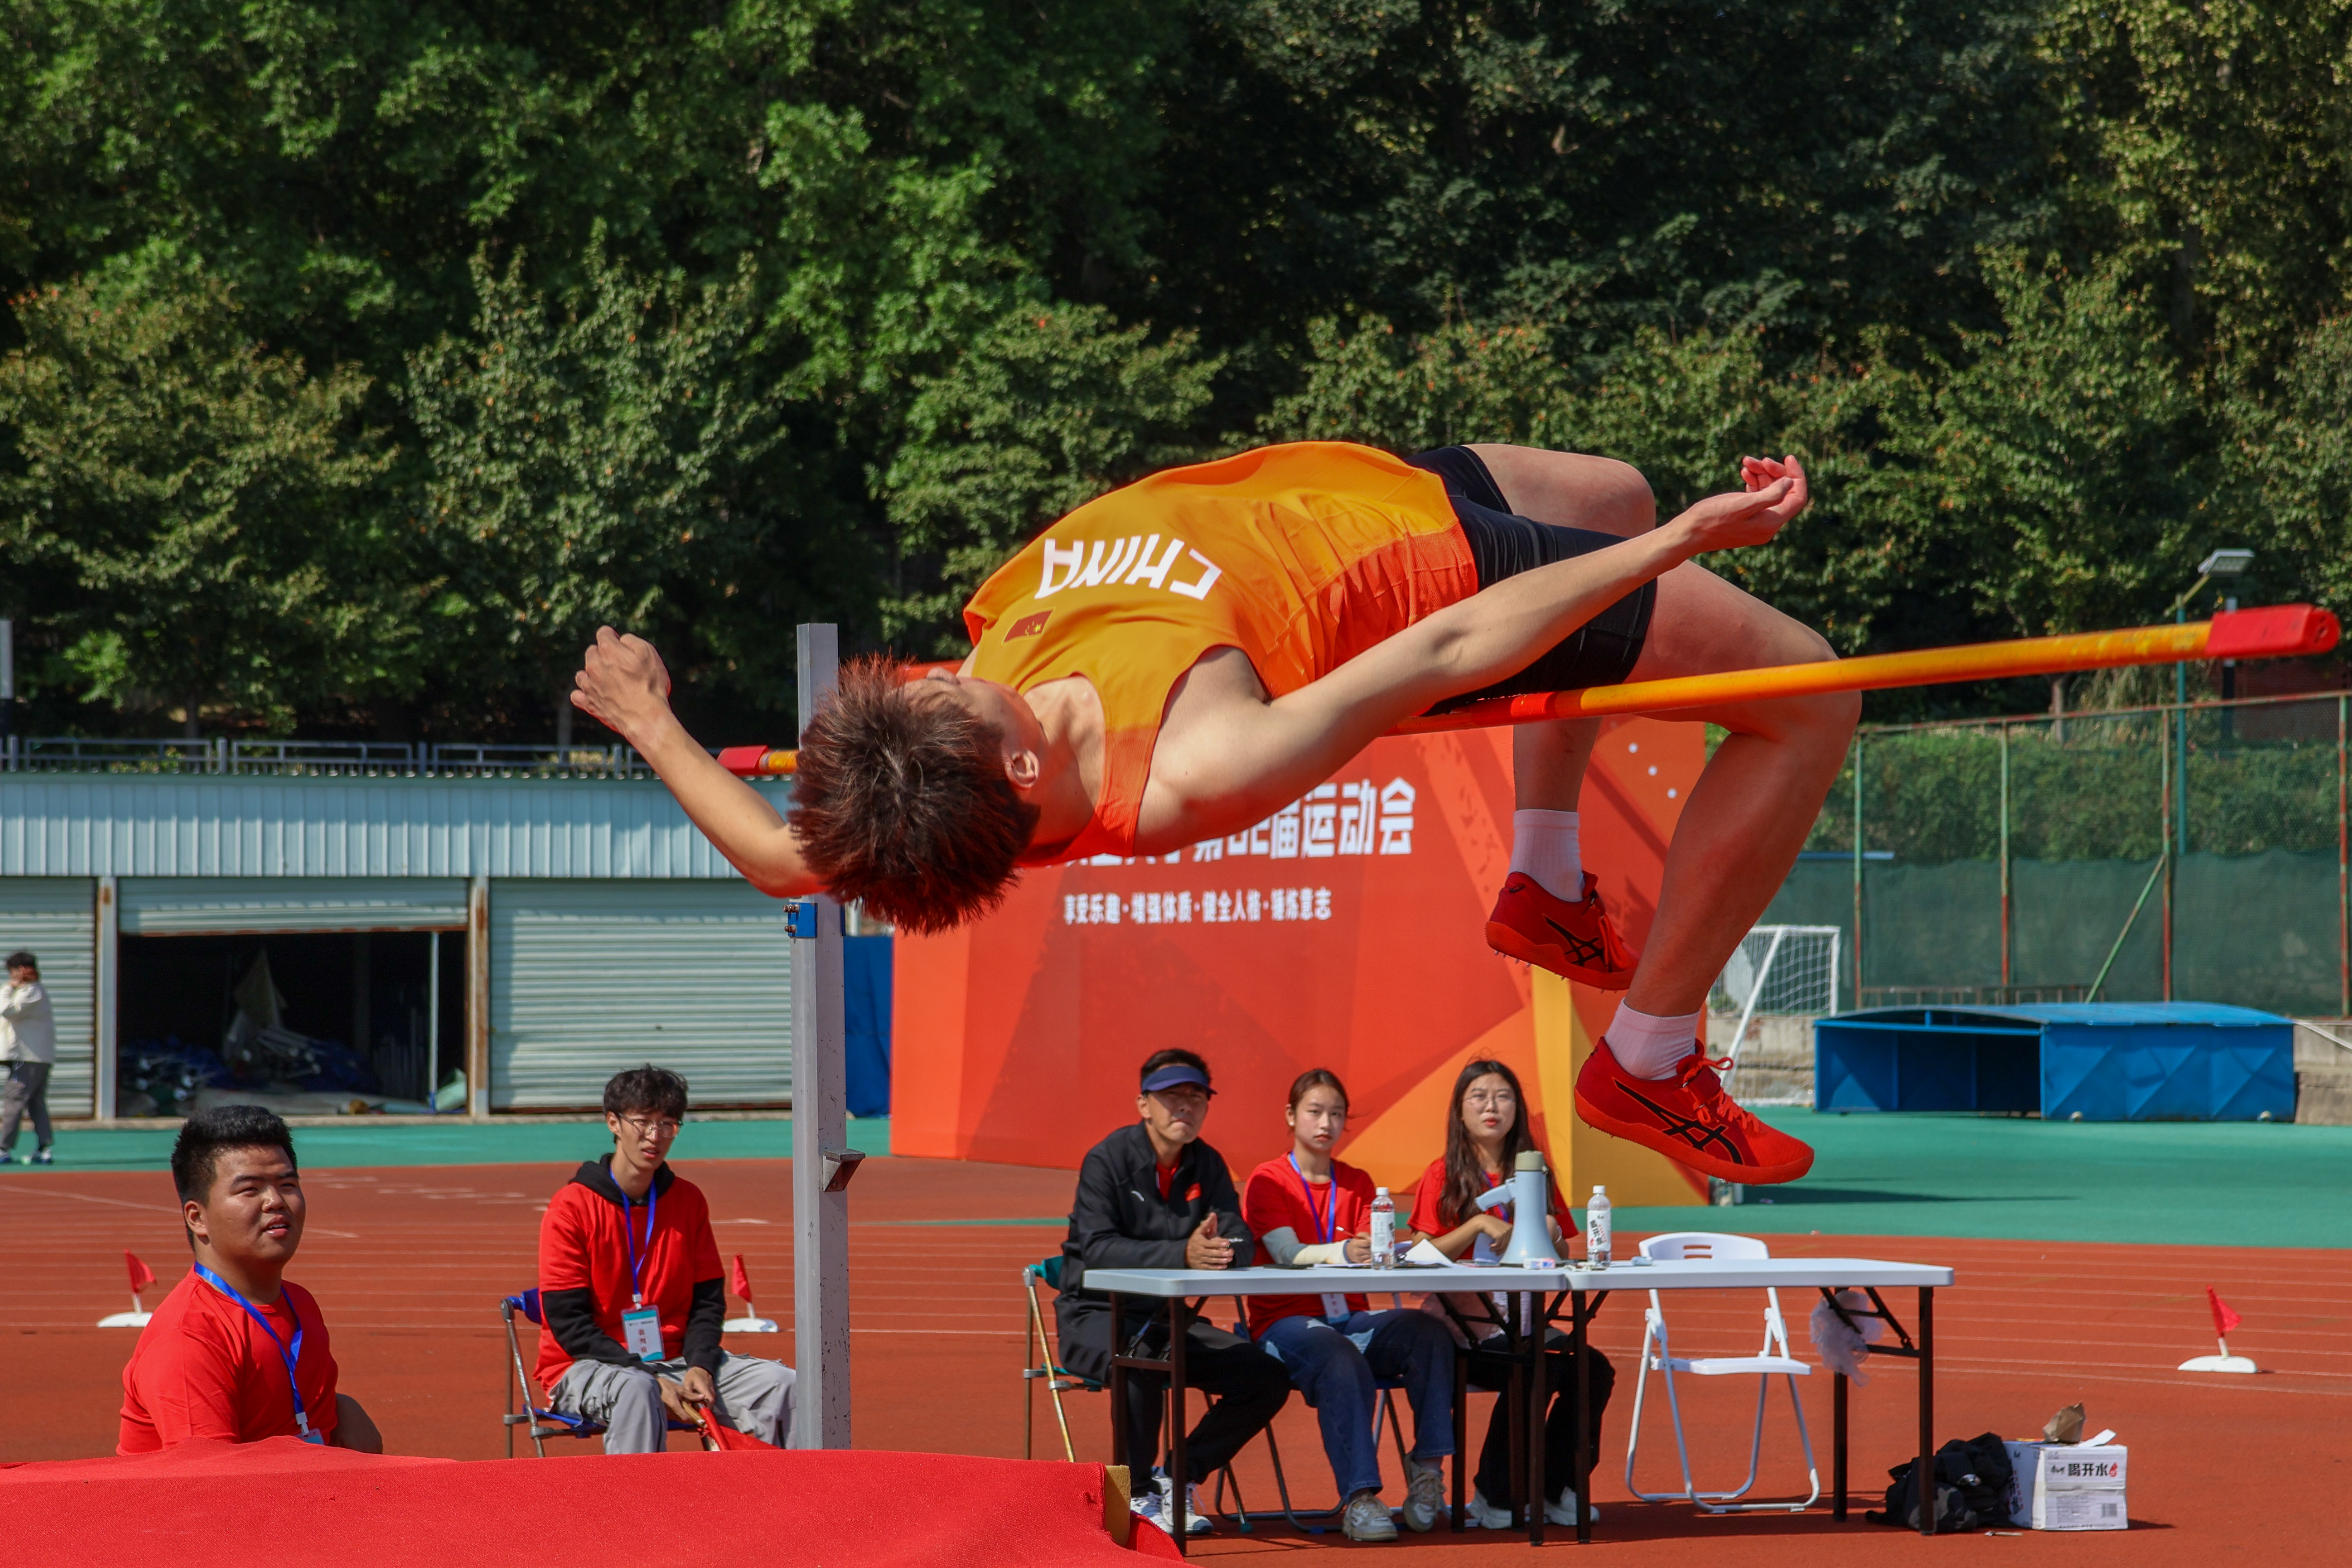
1383 1228
1596 1228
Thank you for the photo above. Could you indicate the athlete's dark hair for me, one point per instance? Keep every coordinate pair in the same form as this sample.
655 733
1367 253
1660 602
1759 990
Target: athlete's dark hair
1169 1057
196 1154
1318 1077
22 959
1465 1178
648 1089
902 802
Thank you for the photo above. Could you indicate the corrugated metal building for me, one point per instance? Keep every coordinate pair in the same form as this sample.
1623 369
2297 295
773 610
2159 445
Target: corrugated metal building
539 932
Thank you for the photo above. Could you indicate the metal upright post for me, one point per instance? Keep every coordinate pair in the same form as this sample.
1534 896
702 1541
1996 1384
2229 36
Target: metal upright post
819 1127
2343 868
2168 863
109 999
8 690
2179 823
1857 868
2006 943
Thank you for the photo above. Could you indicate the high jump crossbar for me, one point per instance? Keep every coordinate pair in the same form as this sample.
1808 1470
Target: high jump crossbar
2279 631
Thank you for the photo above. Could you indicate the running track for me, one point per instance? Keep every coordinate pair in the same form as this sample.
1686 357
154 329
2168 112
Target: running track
409 1264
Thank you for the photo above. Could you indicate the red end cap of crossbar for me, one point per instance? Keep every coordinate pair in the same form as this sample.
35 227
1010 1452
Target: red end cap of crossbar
2279 631
743 761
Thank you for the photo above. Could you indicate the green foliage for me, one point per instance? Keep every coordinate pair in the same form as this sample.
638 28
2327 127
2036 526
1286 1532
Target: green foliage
1050 408
187 496
584 457
2049 296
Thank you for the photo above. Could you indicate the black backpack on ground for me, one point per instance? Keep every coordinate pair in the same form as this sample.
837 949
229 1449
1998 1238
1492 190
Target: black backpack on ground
1972 1475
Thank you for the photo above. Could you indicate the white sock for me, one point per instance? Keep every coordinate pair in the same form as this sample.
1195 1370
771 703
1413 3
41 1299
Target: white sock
1543 845
1652 1047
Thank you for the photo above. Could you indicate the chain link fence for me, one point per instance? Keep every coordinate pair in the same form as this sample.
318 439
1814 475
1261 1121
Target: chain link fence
2191 851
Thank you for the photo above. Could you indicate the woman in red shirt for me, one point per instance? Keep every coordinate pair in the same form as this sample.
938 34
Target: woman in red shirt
1309 1208
1485 1134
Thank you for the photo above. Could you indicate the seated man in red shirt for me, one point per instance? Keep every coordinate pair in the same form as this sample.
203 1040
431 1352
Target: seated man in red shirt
633 1303
235 1350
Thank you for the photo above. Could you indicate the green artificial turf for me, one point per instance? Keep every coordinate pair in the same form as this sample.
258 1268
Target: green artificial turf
454 1143
2238 1184
2213 1183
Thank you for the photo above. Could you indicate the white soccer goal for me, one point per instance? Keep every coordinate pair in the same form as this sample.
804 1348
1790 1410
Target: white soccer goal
1778 969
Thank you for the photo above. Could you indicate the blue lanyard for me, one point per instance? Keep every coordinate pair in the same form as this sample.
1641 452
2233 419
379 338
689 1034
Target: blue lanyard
292 1357
1326 1224
637 1264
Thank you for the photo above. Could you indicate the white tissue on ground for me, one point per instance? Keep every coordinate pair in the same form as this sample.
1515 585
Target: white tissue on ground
1841 1347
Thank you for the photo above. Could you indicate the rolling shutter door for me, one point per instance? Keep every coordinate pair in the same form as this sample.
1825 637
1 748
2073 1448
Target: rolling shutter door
588 977
211 906
52 917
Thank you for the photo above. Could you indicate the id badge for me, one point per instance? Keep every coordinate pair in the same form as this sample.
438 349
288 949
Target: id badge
1335 1306
312 1436
641 1333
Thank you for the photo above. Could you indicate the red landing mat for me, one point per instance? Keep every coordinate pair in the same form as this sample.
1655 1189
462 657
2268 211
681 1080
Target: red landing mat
219 1505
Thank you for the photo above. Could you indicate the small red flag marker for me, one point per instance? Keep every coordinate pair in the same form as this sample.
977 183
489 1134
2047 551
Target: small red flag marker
2225 1320
740 1280
140 1278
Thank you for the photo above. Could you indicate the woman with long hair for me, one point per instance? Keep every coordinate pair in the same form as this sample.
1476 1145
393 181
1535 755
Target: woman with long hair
1486 1131
1309 1208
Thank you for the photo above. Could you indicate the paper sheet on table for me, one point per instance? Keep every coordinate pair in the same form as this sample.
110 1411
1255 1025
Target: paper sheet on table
1424 1252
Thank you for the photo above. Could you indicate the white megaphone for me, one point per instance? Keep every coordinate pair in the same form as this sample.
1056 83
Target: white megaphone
1529 1194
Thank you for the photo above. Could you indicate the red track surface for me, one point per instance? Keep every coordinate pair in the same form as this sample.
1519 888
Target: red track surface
409 1264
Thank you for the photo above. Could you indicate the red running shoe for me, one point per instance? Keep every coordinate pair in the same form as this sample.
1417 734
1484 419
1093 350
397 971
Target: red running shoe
1576 940
1688 1118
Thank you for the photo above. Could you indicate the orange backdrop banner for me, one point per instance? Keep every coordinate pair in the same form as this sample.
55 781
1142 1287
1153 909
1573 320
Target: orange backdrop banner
1346 931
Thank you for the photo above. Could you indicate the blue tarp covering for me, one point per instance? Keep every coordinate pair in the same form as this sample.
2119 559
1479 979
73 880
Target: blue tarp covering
2124 1061
866 1017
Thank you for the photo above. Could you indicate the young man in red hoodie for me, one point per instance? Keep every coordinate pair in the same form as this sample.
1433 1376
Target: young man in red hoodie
237 1350
633 1294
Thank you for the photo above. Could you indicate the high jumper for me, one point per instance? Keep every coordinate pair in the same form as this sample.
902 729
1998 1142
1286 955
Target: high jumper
1176 661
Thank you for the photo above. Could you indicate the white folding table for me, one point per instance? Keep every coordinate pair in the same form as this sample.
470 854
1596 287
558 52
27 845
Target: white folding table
1578 1289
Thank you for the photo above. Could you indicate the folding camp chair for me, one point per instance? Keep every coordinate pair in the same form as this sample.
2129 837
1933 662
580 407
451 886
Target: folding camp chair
543 1423
1772 1360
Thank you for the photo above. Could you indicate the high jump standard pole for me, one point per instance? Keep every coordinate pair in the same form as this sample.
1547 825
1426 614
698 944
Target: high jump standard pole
820 1131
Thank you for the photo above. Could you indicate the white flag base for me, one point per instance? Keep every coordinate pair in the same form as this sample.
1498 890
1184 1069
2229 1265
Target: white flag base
2218 1363
125 1321
768 1326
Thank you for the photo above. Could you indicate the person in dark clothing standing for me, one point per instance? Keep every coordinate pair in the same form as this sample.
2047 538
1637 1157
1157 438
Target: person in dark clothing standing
633 1293
1152 1195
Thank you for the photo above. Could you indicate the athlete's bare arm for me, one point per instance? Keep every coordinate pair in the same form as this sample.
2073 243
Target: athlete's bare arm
623 683
1228 757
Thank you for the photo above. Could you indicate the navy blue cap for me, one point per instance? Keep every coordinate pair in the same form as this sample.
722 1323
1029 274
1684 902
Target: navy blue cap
1176 1073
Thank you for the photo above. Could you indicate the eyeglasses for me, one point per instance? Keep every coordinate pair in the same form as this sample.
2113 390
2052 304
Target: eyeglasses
1484 1098
645 1127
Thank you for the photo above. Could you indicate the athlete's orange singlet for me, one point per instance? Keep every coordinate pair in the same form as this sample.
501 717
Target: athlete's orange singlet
1301 556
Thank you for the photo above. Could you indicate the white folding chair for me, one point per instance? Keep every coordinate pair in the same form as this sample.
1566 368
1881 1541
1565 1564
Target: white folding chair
1773 1360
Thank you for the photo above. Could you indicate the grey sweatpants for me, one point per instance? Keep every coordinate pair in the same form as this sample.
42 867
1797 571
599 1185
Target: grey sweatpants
754 1396
28 1088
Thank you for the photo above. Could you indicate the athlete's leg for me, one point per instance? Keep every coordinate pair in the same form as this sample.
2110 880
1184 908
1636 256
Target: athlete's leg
1739 835
1575 490
1755 803
1547 914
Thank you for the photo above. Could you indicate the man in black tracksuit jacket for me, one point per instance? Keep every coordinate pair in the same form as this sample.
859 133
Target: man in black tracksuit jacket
1152 1195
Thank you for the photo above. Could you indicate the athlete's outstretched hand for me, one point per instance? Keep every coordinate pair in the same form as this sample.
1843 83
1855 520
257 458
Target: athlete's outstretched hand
1775 493
622 684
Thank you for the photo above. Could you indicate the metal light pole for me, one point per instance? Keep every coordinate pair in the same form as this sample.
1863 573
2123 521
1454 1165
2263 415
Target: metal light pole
822 1161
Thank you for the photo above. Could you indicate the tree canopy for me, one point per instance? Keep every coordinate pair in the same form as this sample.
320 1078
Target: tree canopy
363 354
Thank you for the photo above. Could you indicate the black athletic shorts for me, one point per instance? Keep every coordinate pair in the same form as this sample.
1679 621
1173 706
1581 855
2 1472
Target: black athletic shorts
1599 653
